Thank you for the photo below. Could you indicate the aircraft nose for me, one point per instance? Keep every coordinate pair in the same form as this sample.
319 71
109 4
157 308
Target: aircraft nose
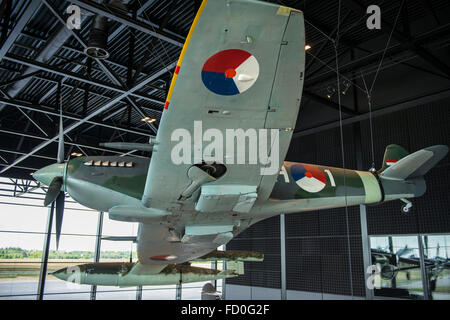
48 173
74 274
61 274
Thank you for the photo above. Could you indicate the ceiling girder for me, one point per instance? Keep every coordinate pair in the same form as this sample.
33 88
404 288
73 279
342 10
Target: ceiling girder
91 115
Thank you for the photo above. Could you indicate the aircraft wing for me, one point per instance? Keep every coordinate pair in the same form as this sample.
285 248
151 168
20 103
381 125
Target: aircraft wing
241 67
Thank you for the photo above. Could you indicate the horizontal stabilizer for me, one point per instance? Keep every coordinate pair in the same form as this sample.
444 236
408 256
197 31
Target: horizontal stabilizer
416 164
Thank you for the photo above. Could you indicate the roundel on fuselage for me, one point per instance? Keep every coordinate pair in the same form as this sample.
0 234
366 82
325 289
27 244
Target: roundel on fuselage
308 177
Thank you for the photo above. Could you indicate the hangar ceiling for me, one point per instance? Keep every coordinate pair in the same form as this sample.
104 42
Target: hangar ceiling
106 100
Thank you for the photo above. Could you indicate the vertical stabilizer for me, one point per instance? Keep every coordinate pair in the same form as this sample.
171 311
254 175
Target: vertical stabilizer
392 154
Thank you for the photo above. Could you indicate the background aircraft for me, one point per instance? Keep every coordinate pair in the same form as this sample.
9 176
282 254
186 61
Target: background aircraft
403 260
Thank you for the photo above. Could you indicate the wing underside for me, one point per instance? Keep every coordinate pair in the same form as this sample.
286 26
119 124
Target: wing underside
241 68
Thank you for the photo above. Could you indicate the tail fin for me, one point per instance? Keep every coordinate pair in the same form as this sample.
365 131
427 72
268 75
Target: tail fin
414 165
392 154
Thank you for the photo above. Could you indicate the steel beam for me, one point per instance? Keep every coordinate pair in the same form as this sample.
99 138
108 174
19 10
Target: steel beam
90 116
26 116
72 75
25 105
5 14
68 143
371 58
111 37
382 110
32 7
108 71
108 61
328 103
359 9
140 25
33 74
431 11
325 42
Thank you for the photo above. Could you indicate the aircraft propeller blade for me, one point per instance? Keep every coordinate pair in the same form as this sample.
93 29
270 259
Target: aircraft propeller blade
53 190
60 200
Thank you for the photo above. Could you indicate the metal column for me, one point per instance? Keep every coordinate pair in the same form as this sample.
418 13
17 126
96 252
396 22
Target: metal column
98 242
283 256
45 251
214 267
391 250
139 293
224 285
178 291
423 270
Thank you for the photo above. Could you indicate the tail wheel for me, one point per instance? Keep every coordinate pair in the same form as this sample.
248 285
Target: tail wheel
406 208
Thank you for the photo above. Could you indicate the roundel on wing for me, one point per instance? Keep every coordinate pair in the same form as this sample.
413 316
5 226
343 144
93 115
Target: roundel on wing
230 72
309 178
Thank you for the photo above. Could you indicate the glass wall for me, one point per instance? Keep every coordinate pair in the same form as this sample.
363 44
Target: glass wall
23 223
411 267
436 253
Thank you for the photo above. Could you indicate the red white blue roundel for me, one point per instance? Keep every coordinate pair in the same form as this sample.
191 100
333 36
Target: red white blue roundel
230 72
308 177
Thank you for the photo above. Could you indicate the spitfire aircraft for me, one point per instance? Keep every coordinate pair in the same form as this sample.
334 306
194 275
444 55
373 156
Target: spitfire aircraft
241 68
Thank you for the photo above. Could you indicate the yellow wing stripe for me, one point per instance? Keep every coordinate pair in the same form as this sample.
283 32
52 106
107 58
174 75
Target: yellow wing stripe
183 52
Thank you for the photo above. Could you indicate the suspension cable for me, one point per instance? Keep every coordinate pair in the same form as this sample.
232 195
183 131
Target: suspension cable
369 101
369 92
386 47
336 43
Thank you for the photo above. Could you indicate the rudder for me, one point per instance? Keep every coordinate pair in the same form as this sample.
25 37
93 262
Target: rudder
392 154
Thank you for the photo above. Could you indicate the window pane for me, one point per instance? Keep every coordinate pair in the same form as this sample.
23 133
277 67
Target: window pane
158 292
437 250
398 262
20 263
